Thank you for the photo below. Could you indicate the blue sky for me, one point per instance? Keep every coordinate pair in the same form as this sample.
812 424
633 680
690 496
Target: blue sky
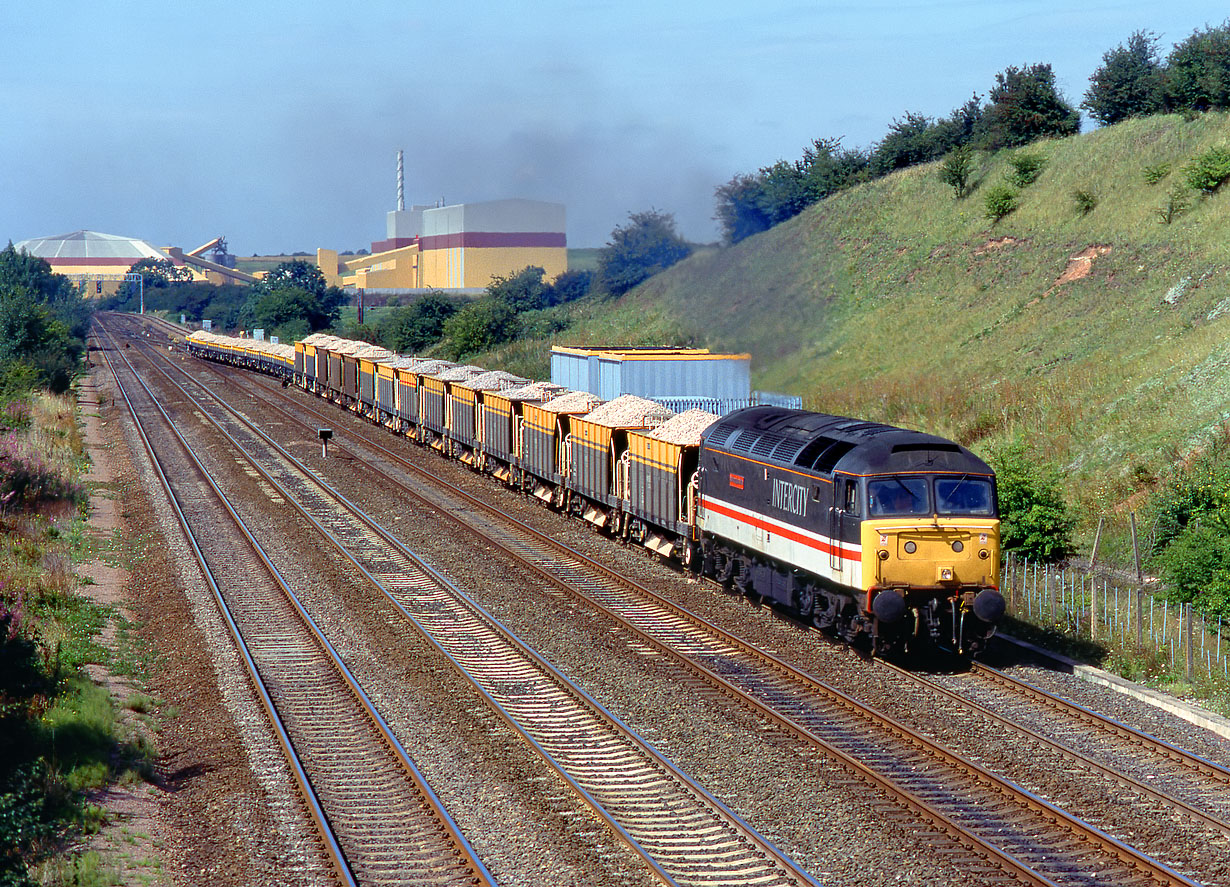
277 124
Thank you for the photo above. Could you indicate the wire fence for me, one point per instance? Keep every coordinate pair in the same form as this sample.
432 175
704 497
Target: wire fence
1119 614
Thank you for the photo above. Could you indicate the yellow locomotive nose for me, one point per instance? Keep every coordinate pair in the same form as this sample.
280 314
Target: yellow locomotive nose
933 552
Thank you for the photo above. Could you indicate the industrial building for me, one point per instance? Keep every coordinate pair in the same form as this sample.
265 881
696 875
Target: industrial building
458 247
98 262
678 378
462 246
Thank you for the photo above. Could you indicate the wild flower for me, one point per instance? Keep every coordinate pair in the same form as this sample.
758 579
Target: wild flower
26 478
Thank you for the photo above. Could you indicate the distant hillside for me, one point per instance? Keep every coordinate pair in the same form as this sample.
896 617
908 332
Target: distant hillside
1101 340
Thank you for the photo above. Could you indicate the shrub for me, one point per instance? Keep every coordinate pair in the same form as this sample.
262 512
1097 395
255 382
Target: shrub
1001 200
1026 167
957 169
1177 201
1209 171
1084 200
1154 174
1034 519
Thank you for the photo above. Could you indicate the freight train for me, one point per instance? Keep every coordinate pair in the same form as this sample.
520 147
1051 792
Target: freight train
885 537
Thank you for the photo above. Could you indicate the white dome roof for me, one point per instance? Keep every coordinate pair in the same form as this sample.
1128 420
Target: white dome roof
89 245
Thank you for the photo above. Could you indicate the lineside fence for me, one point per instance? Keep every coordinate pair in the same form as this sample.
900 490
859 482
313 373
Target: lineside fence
1119 614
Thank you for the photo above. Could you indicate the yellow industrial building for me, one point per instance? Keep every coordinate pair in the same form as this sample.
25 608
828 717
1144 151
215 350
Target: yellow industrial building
98 262
462 246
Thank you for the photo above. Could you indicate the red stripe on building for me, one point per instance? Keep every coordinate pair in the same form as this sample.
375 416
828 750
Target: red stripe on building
493 240
783 530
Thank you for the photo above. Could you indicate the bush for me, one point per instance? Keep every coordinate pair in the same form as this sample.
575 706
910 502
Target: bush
1209 171
957 168
1001 200
1154 174
1026 167
1084 200
1034 519
1177 201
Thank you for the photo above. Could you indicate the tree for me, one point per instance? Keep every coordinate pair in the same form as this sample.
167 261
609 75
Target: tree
910 141
1025 106
646 245
1198 71
293 291
298 273
1034 519
524 291
570 286
740 209
480 326
415 327
957 168
159 272
1129 83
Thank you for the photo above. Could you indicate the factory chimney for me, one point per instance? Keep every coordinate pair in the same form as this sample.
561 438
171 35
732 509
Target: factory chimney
401 184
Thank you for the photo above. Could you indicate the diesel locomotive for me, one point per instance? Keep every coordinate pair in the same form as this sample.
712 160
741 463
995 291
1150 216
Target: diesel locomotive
886 537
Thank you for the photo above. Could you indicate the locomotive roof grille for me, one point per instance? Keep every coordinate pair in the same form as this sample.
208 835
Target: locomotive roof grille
925 447
822 443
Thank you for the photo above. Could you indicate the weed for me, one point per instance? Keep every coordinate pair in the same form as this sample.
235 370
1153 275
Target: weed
1177 202
1155 173
1084 200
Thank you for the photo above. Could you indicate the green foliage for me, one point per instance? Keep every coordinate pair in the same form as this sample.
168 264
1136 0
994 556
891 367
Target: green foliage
415 327
297 274
291 300
155 273
1198 71
1177 201
1084 200
1208 171
1025 106
1129 83
1192 516
523 291
1155 173
1000 200
749 204
647 244
957 169
571 285
1034 519
1026 167
480 326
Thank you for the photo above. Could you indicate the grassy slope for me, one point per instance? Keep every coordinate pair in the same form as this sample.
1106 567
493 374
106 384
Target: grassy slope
891 302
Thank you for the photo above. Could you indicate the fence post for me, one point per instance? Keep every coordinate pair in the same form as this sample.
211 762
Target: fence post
1140 591
1187 619
1097 537
1093 608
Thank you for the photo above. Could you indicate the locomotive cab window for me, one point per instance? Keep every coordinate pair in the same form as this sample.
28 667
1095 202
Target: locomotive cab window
963 495
898 496
851 500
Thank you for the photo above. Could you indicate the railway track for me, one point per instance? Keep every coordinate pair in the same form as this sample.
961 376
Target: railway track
684 834
378 819
1193 786
1011 834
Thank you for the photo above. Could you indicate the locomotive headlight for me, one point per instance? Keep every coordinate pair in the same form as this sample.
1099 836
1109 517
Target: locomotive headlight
984 554
958 546
910 548
883 555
